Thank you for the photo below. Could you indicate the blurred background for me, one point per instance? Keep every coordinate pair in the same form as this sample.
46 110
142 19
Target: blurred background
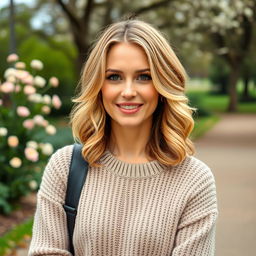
215 41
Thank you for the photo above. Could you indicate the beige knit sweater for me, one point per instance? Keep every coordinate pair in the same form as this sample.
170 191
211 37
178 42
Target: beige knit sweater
127 209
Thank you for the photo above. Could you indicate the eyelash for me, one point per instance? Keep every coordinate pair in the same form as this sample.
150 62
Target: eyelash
148 77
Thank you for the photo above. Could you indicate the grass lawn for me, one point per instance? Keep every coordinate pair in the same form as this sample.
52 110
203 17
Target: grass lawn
200 92
219 103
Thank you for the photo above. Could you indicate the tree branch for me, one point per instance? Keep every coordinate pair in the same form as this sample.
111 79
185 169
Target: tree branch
107 17
88 9
220 42
72 17
151 7
247 35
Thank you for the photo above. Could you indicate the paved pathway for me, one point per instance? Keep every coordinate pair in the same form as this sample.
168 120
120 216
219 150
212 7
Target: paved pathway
230 150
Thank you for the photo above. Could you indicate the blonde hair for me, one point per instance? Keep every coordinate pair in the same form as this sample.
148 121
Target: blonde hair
172 119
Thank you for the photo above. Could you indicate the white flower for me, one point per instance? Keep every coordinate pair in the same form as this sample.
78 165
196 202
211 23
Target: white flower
180 16
21 74
248 12
47 149
3 131
31 154
23 111
37 64
12 57
47 99
32 144
33 184
46 110
29 79
56 102
36 97
11 79
39 81
38 119
7 87
15 162
50 129
20 65
9 72
29 89
54 82
13 141
29 124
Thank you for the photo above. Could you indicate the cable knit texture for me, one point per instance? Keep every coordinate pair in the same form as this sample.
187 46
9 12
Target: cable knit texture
128 209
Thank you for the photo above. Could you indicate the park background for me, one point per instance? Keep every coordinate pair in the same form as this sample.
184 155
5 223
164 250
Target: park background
215 41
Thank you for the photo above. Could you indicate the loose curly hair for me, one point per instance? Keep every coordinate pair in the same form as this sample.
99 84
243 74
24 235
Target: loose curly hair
169 142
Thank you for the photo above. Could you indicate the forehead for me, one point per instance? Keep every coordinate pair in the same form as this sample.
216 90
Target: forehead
127 54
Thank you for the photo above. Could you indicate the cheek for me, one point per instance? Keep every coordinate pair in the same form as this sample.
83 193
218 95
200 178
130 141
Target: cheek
151 96
108 96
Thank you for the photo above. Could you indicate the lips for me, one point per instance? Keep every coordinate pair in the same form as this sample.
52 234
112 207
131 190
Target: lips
129 104
129 108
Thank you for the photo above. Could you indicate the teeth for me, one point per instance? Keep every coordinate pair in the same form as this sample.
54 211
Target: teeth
129 107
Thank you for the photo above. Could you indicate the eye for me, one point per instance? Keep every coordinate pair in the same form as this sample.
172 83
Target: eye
114 77
144 77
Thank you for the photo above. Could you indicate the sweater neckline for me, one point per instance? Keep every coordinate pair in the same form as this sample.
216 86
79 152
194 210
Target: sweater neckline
132 170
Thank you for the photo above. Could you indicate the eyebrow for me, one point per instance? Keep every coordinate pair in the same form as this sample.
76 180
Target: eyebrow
119 71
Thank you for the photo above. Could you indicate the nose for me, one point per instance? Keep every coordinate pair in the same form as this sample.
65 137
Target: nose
129 90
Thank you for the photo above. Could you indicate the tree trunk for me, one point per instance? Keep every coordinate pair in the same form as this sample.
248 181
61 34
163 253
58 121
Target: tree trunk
82 49
233 79
81 56
12 28
246 87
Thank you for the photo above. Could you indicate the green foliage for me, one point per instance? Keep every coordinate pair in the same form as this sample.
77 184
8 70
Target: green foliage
57 52
16 235
56 62
64 133
23 110
195 101
215 103
219 75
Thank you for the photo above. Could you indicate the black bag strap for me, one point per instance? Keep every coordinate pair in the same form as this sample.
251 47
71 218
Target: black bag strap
77 174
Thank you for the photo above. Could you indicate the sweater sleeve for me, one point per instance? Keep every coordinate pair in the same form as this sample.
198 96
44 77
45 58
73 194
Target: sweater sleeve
196 229
50 235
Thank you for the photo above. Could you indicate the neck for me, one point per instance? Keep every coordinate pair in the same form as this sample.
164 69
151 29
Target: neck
129 143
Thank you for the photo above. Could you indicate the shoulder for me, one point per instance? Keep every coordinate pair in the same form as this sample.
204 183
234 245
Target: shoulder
194 167
62 155
55 174
194 173
59 161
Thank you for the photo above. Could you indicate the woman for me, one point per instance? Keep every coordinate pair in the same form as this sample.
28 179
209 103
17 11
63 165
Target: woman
145 194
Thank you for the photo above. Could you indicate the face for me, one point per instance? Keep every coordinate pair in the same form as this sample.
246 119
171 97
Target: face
129 96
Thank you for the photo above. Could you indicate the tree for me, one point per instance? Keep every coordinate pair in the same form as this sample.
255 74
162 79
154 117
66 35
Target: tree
223 27
84 16
229 25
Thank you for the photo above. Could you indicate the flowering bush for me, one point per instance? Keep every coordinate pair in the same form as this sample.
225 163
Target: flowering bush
23 110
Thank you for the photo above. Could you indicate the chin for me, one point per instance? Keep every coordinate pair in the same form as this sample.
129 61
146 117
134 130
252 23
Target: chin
128 123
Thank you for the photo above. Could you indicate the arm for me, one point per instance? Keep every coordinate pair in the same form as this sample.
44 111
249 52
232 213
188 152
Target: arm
196 229
50 235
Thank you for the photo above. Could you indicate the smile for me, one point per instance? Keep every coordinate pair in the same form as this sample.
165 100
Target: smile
129 108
